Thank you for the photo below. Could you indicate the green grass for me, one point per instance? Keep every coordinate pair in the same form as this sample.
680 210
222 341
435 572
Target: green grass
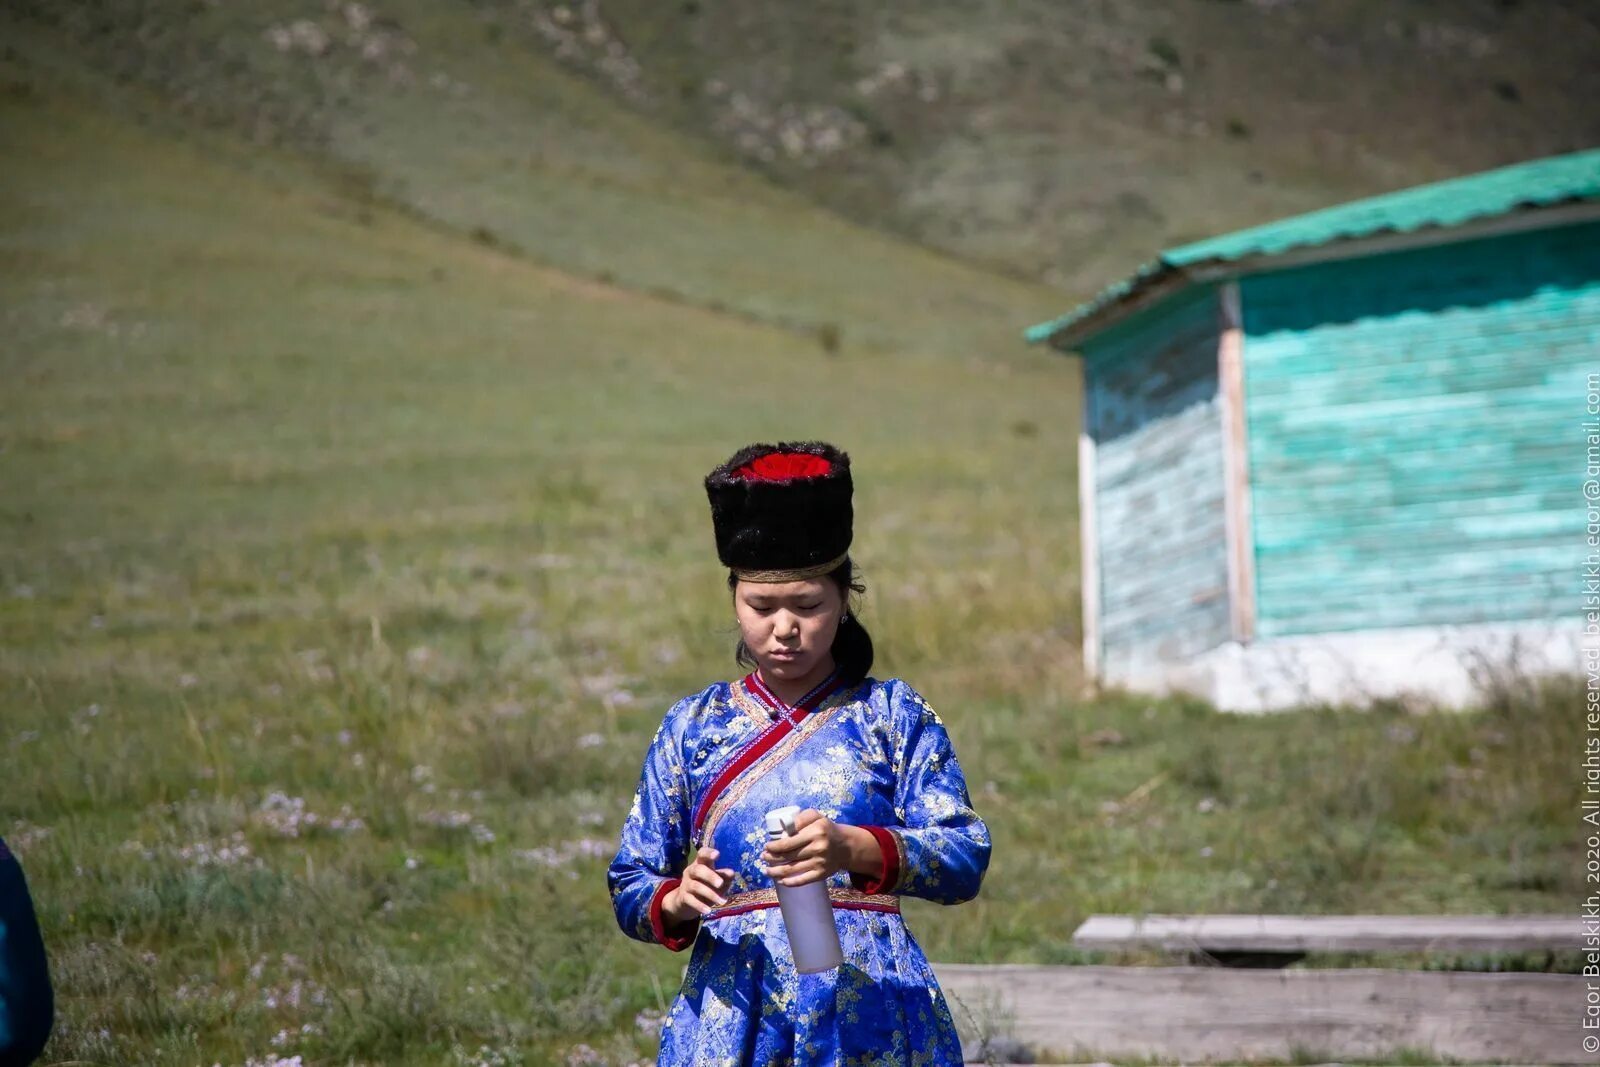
316 505
1073 142
500 141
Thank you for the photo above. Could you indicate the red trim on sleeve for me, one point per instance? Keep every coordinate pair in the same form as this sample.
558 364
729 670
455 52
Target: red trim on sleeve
886 879
658 925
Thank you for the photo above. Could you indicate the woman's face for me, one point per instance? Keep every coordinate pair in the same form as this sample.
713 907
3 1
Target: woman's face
798 617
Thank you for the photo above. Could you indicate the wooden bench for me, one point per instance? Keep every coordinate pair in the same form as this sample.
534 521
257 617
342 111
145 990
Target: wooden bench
1276 940
1228 1013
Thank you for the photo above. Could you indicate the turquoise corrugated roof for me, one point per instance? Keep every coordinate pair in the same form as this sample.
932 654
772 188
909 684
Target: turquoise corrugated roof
1538 183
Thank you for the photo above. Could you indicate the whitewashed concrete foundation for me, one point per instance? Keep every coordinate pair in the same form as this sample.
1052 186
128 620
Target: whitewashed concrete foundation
1446 666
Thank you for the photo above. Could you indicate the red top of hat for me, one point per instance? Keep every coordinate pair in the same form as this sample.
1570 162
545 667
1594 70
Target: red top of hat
782 466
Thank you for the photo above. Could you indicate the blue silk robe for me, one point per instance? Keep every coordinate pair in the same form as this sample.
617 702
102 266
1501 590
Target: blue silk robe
874 755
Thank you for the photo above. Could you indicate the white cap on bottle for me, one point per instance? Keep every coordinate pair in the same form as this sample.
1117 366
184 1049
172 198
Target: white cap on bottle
781 820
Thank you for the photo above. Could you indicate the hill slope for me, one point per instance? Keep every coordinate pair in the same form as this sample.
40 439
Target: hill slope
348 561
1060 142
1071 141
428 107
347 564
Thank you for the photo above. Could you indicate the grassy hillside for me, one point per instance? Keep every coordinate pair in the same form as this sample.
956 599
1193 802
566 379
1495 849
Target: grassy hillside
1071 141
431 108
348 560
314 508
1065 143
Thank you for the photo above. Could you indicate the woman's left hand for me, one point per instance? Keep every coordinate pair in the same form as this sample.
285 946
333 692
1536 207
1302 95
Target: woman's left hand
818 847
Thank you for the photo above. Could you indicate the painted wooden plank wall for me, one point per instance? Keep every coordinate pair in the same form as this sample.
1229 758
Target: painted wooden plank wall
1153 410
1413 433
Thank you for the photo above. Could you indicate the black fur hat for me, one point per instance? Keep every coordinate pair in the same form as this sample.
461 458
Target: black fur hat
782 512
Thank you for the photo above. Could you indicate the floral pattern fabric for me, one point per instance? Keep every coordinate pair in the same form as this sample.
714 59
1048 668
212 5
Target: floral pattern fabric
874 754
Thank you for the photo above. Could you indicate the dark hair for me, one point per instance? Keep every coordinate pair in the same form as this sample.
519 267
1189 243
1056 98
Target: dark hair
852 645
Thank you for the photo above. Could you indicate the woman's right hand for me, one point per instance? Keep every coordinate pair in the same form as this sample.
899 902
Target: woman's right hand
700 890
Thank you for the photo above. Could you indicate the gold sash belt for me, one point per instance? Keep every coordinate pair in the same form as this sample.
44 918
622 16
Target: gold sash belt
838 896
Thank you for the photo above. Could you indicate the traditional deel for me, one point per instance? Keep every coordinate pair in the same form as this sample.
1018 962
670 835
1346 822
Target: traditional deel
873 754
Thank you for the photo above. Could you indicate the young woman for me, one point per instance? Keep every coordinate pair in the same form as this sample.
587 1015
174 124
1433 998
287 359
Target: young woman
887 812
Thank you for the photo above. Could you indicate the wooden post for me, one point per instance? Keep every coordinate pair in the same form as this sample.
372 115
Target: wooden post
1236 467
1089 543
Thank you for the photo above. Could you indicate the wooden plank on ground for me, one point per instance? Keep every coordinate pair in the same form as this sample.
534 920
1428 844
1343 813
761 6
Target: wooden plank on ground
1216 1014
1332 933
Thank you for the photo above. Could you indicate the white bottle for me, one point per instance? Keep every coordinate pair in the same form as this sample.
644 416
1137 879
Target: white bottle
807 913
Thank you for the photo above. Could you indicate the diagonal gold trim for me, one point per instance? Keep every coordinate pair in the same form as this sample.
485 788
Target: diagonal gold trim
809 725
752 705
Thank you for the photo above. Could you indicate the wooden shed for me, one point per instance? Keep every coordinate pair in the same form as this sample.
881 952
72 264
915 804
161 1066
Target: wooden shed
1342 456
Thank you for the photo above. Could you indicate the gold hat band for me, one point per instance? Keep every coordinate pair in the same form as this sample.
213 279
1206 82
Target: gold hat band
792 575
